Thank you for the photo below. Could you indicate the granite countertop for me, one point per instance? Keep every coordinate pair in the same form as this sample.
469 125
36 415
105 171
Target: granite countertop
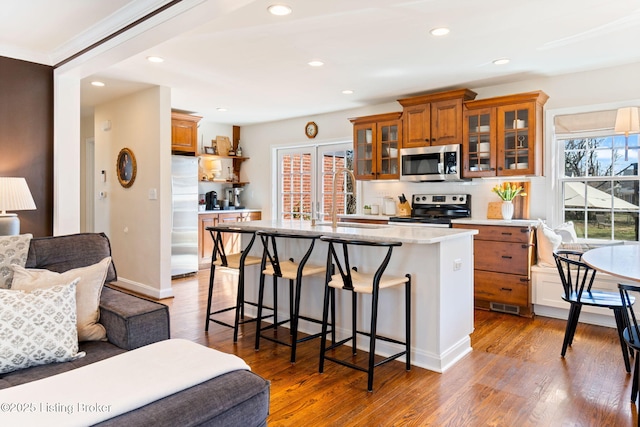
229 211
372 232
512 223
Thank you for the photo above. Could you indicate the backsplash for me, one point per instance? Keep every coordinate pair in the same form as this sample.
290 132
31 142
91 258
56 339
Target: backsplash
480 190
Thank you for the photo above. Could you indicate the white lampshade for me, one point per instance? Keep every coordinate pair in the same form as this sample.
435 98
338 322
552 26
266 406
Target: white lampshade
627 121
15 195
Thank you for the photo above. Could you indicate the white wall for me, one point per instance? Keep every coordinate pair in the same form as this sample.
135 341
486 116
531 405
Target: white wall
604 86
139 228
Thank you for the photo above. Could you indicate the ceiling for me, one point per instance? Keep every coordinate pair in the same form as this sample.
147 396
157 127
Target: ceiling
234 54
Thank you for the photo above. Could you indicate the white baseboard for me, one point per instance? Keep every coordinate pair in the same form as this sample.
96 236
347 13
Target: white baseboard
143 289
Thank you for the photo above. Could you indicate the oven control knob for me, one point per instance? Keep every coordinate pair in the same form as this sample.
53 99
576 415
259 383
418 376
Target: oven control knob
455 198
461 199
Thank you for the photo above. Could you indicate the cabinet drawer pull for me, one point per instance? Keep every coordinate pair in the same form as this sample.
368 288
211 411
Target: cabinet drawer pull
507 256
506 234
522 279
506 289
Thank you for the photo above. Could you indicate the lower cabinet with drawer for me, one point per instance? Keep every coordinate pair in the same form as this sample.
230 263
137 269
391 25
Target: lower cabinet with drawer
503 255
205 244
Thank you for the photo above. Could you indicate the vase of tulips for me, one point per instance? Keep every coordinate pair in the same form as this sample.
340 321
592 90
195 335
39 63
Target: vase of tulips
508 191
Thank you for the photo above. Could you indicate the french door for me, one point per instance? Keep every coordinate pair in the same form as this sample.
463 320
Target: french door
305 181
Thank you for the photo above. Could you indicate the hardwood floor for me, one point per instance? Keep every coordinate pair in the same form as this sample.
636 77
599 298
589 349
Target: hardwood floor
513 377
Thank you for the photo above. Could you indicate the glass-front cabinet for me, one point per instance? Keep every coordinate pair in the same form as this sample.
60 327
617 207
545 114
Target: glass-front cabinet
376 144
515 151
503 136
480 143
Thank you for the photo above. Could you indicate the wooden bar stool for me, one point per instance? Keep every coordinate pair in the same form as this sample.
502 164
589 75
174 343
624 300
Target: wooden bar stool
351 280
273 265
236 261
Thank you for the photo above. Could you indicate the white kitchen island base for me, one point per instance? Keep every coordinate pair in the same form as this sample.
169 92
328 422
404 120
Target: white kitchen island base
440 261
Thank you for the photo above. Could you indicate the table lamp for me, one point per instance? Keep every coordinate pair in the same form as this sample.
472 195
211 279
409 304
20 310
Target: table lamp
14 196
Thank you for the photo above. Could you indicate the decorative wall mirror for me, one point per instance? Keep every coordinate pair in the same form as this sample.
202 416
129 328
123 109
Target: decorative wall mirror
126 167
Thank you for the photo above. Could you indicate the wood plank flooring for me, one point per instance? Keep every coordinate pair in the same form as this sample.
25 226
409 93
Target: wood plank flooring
513 377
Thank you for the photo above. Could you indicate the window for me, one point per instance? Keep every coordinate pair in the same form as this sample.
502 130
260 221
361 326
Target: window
305 181
598 176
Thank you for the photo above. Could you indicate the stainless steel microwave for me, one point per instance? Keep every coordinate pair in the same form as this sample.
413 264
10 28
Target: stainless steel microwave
436 163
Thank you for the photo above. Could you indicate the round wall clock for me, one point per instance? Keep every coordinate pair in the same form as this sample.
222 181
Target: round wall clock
126 167
311 130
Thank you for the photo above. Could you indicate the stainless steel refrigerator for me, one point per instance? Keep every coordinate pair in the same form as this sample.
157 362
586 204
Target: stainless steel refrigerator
184 215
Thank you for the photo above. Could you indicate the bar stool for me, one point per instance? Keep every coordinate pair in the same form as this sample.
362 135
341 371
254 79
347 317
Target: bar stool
237 262
350 279
272 265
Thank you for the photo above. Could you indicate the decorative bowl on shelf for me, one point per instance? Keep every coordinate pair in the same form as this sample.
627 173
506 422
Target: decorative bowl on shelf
519 166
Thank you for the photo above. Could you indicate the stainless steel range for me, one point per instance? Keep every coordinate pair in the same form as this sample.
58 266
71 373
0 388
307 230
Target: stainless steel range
435 210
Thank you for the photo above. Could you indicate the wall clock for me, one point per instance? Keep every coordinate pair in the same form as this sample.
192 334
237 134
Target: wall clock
126 167
311 130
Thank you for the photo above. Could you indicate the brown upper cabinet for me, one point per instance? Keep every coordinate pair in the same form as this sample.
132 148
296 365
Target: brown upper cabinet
376 144
503 136
434 119
184 133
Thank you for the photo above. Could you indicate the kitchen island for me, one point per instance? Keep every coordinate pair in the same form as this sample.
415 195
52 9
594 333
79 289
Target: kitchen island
440 261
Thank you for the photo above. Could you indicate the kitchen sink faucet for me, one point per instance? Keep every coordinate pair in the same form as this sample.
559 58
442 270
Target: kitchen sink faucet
334 210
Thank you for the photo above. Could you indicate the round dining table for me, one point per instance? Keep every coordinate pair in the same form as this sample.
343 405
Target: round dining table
622 261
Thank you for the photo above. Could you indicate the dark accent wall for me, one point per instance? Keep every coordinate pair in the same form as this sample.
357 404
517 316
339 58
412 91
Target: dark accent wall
26 136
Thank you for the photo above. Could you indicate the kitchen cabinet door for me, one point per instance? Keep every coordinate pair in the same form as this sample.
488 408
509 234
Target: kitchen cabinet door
205 243
512 127
184 133
434 119
365 150
376 145
479 143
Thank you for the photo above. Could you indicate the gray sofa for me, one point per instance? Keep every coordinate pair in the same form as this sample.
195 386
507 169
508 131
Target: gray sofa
239 398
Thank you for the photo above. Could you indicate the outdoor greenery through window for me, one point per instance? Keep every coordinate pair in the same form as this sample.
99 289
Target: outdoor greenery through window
599 182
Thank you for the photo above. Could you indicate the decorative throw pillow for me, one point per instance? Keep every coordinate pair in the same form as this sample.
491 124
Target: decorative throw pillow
38 327
88 293
548 242
13 251
567 231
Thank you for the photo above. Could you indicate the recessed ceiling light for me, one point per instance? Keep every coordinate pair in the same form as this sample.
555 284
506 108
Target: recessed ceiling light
316 63
279 9
347 91
222 109
441 31
155 59
97 83
501 61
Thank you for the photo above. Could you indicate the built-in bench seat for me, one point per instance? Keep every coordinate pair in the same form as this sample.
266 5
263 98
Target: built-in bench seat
546 289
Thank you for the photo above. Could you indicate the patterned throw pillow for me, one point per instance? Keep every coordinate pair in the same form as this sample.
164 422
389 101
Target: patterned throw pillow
39 327
13 251
87 294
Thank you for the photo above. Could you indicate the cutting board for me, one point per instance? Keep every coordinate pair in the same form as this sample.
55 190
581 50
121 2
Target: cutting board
494 210
520 205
